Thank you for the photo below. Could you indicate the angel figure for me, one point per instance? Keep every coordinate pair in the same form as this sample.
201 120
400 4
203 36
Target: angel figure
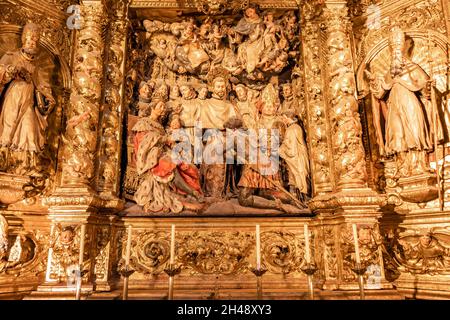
294 151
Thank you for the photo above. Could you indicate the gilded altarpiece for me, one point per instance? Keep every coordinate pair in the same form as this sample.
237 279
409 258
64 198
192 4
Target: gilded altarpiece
100 196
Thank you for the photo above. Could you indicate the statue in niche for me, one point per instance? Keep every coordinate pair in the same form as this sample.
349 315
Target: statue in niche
403 97
27 100
163 179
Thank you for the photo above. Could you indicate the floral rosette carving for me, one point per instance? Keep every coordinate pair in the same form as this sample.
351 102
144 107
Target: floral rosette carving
149 251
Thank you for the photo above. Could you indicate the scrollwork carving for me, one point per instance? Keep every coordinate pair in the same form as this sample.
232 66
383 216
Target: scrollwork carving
422 251
281 252
113 105
215 252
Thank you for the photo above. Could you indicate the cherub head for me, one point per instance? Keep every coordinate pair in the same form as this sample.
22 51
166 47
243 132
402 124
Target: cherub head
67 235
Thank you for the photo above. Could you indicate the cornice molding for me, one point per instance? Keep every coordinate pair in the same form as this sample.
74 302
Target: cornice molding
174 4
43 7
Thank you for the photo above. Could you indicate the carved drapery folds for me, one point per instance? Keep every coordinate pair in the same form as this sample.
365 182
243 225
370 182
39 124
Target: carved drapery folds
348 151
80 138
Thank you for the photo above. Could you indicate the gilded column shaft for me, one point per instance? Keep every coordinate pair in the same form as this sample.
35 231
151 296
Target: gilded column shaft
80 138
108 179
317 121
346 130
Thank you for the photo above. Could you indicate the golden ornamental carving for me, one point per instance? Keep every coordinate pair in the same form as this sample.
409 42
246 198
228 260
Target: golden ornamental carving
427 14
349 154
282 252
80 137
65 251
330 251
197 4
215 252
3 241
113 108
370 242
317 120
103 251
212 7
25 255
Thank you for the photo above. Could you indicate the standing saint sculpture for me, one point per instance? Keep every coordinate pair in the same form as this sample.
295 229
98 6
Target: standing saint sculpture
27 100
403 96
